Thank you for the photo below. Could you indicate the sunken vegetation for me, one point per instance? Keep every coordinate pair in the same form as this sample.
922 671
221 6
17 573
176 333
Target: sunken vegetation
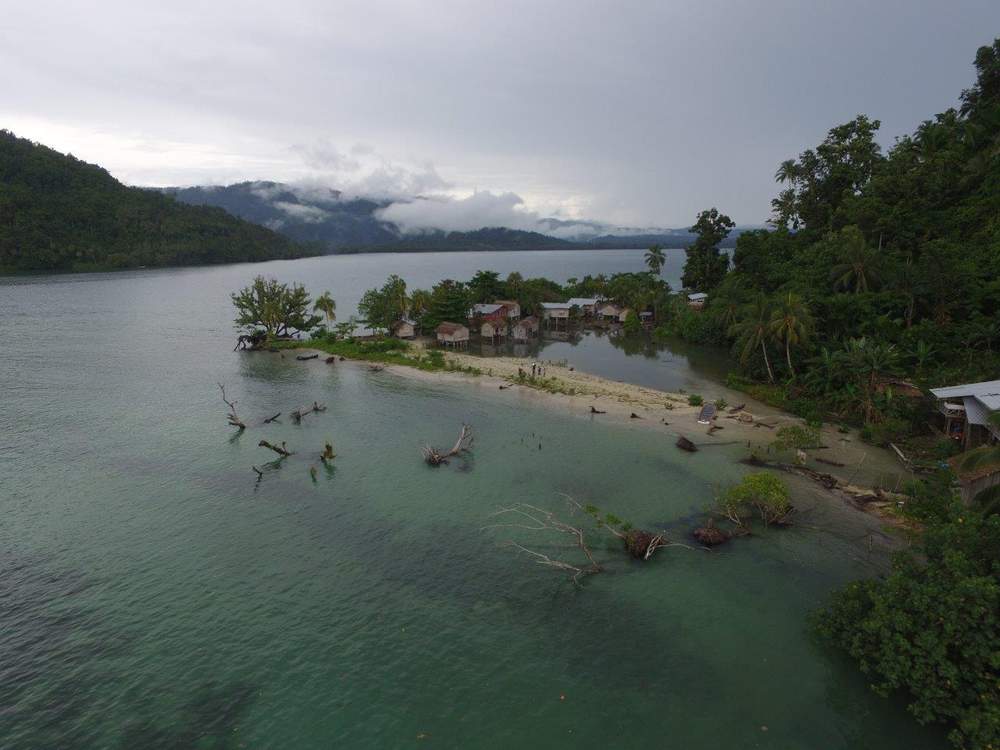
58 213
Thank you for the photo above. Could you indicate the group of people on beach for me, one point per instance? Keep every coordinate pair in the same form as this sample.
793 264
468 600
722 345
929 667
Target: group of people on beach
537 370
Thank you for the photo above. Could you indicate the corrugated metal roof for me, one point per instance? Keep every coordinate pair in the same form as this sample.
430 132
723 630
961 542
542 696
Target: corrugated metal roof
987 393
486 308
554 305
583 301
697 296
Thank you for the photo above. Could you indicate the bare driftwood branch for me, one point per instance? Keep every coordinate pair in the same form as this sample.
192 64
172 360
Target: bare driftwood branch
435 457
303 411
258 472
532 518
234 420
281 450
271 419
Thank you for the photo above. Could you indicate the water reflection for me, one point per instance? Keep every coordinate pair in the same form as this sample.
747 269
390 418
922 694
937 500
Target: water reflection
665 364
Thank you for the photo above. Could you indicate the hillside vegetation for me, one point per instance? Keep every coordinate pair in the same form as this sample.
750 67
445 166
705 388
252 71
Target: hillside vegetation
60 213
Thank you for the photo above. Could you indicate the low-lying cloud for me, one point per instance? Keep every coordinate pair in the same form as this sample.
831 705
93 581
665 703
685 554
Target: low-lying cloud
481 209
365 173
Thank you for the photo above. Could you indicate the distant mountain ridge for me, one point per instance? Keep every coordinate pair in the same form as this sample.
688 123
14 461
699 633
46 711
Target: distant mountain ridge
339 224
60 213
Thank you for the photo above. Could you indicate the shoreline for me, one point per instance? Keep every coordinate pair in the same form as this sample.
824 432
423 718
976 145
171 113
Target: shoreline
574 393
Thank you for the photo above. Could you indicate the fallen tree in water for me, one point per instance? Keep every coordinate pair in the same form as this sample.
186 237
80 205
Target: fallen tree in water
639 543
435 457
234 420
281 450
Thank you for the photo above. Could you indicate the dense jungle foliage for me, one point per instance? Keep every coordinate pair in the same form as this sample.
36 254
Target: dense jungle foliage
58 213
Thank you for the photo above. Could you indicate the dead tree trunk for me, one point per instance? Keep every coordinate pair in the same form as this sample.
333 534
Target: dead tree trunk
281 450
234 420
435 457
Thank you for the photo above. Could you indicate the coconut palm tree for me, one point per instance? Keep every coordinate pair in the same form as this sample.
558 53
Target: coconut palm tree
655 259
752 331
857 269
791 323
326 305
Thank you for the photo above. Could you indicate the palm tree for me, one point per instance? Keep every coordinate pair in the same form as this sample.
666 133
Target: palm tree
326 305
870 360
791 323
751 331
857 268
655 259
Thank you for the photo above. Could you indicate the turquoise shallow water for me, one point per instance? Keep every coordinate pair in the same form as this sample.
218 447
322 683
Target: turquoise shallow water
153 595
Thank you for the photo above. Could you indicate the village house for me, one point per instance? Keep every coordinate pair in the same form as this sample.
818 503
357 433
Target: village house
587 305
525 328
452 334
612 313
488 311
404 328
555 311
513 307
966 411
697 300
493 328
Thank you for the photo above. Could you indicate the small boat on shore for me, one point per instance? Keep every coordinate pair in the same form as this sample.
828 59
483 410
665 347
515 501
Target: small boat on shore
707 414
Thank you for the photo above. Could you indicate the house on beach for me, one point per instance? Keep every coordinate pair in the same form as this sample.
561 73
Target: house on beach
488 311
512 305
525 328
493 328
555 311
966 411
404 328
452 334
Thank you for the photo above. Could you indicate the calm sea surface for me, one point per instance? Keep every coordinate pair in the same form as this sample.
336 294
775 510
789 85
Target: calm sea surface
154 595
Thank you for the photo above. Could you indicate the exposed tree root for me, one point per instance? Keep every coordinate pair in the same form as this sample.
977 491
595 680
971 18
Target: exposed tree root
435 457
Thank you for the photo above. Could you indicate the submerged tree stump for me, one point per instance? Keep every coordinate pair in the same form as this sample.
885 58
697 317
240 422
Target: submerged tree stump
710 535
686 445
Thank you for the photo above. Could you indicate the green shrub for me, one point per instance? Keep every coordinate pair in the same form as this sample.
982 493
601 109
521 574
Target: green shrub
762 492
795 437
695 400
930 630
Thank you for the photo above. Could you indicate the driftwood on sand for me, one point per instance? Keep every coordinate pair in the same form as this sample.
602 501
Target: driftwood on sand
304 357
738 409
596 411
435 457
858 496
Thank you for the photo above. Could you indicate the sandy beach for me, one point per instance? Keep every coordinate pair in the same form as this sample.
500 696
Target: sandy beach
573 392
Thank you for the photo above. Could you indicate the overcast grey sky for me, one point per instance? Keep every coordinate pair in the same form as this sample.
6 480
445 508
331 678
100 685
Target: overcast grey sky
635 113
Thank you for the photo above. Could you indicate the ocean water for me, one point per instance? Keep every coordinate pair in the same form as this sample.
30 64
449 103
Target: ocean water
155 594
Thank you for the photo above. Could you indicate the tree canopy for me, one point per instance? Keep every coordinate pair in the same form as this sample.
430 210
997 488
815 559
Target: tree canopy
60 213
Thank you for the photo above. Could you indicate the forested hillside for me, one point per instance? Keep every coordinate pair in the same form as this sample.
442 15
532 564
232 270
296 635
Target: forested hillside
879 264
60 213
